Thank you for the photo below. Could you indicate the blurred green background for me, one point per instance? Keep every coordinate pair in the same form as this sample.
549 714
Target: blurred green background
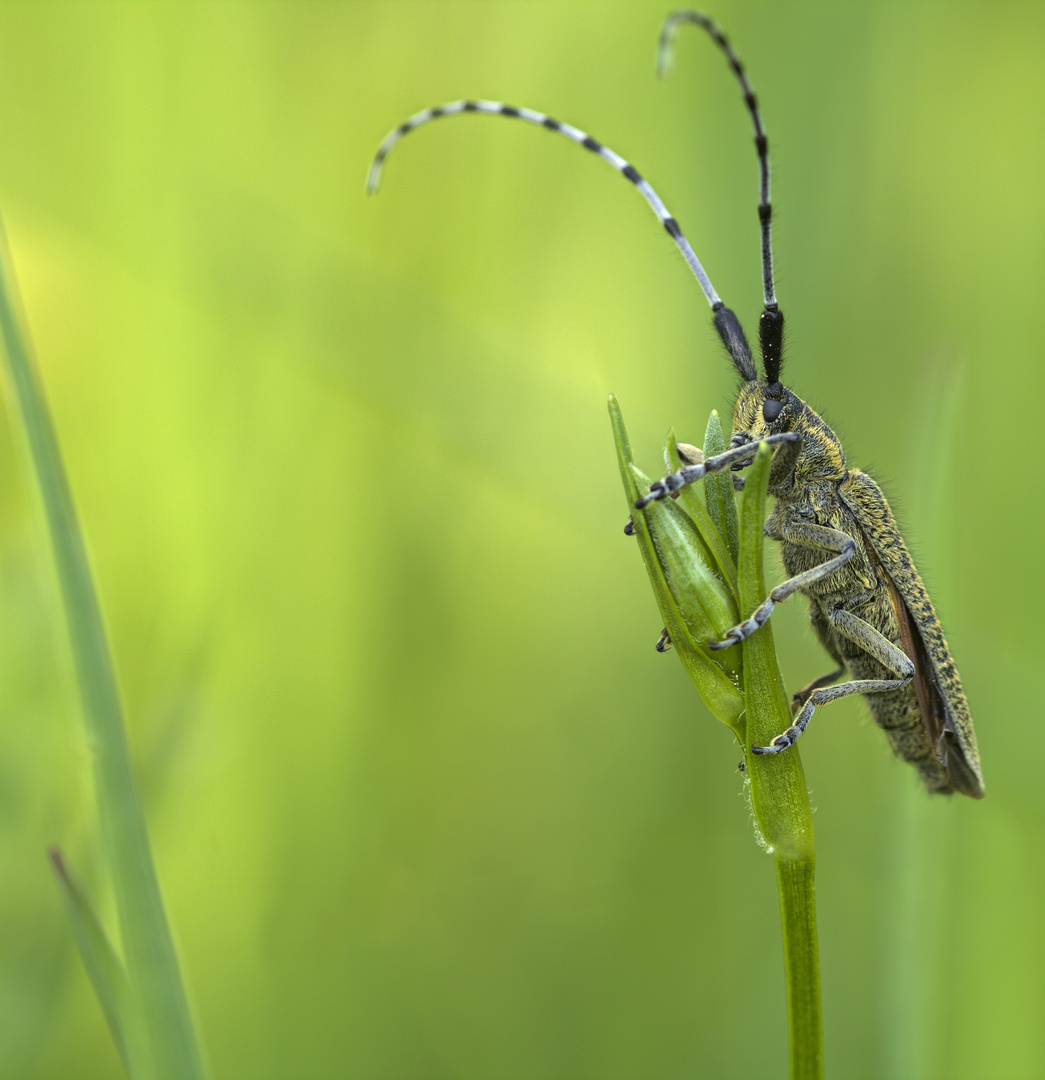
425 802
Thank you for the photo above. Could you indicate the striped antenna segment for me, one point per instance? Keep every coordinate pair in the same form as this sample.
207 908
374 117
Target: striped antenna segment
665 57
495 108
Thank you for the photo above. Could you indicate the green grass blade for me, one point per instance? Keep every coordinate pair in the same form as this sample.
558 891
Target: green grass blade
148 950
922 910
718 489
104 968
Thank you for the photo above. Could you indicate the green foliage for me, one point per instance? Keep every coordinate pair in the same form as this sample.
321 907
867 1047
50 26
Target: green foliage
145 1007
105 971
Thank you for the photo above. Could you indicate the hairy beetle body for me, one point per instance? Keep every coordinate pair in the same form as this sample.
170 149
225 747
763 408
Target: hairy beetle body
926 719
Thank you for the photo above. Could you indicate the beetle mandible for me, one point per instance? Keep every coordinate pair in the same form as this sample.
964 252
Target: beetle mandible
838 538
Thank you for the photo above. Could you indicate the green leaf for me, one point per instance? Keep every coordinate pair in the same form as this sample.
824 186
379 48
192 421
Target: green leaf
152 967
706 526
104 969
718 489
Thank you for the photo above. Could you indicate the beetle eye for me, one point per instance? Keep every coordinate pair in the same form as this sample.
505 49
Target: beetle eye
771 410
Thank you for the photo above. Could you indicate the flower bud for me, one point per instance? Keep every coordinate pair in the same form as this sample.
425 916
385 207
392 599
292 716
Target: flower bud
693 577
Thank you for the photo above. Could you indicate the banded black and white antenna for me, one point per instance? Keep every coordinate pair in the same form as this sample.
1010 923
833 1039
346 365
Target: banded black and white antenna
771 323
726 322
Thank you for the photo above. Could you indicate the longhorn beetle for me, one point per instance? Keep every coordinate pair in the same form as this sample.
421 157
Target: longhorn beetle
839 541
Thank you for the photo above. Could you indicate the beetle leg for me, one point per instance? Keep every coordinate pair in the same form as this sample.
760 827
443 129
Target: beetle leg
827 639
874 644
822 697
800 697
814 536
737 455
691 455
862 633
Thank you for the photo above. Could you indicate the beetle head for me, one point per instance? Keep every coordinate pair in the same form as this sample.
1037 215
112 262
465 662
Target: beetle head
764 409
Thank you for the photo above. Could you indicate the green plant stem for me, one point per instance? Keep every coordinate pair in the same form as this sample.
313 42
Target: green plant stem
802 966
148 950
779 797
678 549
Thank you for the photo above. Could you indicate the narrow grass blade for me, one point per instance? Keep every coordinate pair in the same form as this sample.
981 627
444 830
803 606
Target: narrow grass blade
103 967
718 489
151 964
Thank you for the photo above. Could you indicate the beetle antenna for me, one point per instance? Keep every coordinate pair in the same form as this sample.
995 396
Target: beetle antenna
771 323
726 322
